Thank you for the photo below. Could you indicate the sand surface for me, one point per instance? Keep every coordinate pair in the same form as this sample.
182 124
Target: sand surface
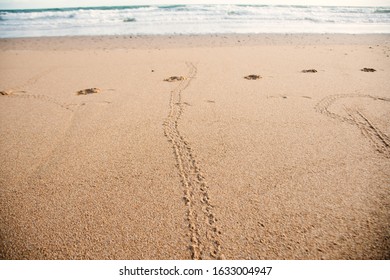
102 159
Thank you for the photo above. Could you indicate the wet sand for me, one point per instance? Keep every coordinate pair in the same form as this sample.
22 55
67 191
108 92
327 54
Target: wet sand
195 147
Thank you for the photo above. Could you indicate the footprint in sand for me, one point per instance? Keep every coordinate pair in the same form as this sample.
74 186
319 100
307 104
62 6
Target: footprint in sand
252 77
309 71
11 92
368 70
88 91
175 79
5 92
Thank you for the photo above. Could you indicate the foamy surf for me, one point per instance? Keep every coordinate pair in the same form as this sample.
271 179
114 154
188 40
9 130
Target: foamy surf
193 19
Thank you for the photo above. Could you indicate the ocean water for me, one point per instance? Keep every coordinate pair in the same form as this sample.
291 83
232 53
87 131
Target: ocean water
193 19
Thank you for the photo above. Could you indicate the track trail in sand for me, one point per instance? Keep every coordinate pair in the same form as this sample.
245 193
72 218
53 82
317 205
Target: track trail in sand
202 223
355 117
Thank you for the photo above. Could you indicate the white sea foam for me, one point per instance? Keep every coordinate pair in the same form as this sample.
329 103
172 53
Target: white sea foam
194 19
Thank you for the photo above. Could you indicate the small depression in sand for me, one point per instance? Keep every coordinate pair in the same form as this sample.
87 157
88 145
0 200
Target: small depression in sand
174 79
252 77
88 91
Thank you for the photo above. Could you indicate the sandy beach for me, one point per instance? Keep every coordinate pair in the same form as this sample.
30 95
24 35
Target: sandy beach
291 164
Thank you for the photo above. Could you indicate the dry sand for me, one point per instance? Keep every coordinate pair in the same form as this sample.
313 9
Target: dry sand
210 165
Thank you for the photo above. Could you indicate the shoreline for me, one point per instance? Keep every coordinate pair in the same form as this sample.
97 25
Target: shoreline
184 41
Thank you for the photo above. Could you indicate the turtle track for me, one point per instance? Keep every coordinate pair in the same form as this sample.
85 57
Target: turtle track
355 117
323 106
204 233
43 98
34 79
18 92
380 140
